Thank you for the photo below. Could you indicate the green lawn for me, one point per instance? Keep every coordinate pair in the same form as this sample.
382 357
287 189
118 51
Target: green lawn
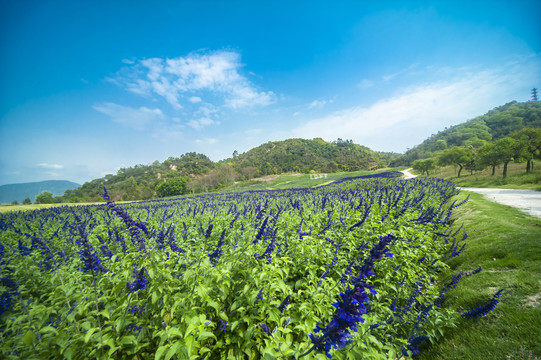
506 243
517 178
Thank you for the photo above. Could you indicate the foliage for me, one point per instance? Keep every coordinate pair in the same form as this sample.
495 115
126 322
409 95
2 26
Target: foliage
459 156
425 165
172 187
27 201
44 197
235 275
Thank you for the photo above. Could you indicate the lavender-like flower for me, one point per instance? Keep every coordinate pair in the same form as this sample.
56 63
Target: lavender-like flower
140 281
284 304
89 257
265 328
484 309
259 296
413 344
223 325
350 307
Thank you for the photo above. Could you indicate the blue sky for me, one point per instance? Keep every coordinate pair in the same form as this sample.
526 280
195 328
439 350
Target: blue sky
88 87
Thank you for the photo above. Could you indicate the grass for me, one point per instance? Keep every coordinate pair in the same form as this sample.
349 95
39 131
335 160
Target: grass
517 178
506 243
299 180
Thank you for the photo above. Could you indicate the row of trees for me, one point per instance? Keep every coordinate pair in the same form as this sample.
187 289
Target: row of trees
521 146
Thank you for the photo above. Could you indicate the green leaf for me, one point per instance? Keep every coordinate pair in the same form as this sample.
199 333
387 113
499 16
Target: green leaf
29 337
205 335
160 351
89 334
173 350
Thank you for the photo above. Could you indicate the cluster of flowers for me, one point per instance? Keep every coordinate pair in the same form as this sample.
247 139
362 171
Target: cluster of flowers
350 308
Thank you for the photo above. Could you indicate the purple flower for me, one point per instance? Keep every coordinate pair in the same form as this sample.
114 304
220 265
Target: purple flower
484 309
284 304
140 281
223 324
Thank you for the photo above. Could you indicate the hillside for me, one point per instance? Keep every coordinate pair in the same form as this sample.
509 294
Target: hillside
196 173
19 192
494 125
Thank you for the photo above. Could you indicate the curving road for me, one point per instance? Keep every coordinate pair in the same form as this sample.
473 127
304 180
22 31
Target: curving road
528 201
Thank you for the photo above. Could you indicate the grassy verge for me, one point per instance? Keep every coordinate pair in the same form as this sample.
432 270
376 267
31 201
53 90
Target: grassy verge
506 243
517 178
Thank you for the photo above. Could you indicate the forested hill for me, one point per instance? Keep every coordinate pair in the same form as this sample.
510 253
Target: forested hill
193 172
301 156
495 124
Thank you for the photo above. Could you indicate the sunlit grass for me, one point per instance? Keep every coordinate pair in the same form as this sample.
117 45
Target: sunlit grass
505 243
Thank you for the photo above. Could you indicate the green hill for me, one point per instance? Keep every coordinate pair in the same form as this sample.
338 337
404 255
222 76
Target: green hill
199 174
495 124
19 192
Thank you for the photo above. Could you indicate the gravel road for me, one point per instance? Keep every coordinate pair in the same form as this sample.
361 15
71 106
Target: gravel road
528 201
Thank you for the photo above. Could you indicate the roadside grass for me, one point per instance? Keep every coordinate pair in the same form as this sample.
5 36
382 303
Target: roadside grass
517 178
506 243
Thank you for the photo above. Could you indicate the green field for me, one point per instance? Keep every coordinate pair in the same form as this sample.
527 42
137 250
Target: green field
506 243
517 178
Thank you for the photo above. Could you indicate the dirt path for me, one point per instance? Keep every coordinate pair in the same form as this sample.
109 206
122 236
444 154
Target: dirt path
407 174
528 201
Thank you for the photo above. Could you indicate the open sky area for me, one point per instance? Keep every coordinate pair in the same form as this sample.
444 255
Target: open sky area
89 87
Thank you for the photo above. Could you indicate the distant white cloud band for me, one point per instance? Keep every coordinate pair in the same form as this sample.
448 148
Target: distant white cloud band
50 166
138 118
192 75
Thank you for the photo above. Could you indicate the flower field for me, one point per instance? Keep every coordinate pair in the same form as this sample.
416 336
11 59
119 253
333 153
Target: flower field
350 270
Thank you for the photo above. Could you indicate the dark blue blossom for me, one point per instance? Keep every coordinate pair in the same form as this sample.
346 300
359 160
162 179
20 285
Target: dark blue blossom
89 257
413 344
485 308
284 304
140 281
223 325
350 308
259 296
265 328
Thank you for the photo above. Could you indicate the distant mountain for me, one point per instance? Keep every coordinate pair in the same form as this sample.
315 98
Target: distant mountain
19 192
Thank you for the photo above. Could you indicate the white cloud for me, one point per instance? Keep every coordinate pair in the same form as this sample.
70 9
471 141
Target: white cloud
206 141
420 109
216 72
199 124
50 166
137 119
365 84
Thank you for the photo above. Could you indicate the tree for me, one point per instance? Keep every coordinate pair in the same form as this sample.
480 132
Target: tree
506 149
455 156
425 165
529 143
534 94
172 187
14 202
27 201
44 197
235 153
487 156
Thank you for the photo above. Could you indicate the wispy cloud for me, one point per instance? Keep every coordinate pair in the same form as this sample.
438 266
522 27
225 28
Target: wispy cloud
459 95
365 84
199 124
206 141
318 104
136 118
195 75
50 166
